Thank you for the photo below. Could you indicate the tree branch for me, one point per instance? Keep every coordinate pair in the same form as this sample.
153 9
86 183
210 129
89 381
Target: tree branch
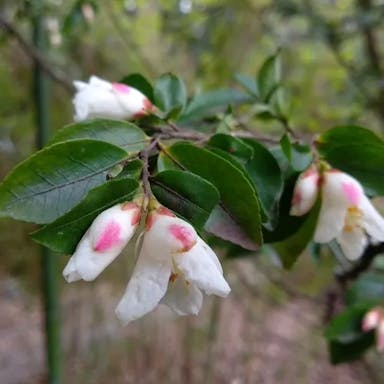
36 55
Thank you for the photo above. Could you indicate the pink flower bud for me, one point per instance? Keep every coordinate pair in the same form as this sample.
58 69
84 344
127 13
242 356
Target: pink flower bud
100 98
305 192
371 320
108 234
380 335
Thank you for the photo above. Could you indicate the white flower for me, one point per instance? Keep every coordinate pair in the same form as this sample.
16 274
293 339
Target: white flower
346 214
305 192
103 242
100 98
174 265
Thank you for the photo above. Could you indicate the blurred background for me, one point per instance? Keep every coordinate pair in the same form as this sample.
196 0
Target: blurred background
270 329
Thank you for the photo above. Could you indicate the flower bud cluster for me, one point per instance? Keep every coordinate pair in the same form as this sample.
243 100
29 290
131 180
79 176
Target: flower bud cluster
346 214
174 265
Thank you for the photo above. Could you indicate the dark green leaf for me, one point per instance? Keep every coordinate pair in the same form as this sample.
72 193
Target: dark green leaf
53 180
290 249
299 155
131 169
232 145
357 151
266 174
170 94
346 326
341 352
138 81
121 133
369 288
64 233
239 207
249 83
346 339
209 103
269 76
187 194
287 225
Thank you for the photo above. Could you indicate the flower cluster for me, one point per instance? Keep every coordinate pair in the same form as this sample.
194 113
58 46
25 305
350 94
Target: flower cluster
374 319
173 267
100 98
346 214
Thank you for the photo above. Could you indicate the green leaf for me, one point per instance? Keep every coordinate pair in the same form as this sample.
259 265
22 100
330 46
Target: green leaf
266 174
131 169
369 288
299 156
121 133
269 76
170 94
237 217
282 104
189 195
209 103
53 180
138 81
341 352
357 151
287 225
232 145
290 249
249 83
64 233
347 341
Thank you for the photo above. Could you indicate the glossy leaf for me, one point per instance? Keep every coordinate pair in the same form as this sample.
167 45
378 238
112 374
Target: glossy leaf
170 94
209 103
53 180
287 225
64 233
121 133
131 169
290 249
266 174
238 208
138 81
232 145
357 151
189 195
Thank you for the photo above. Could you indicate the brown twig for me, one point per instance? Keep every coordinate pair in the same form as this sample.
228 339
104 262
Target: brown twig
36 55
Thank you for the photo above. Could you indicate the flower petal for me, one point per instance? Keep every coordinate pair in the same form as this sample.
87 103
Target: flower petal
334 205
330 221
147 286
353 243
199 268
373 222
305 192
70 272
183 298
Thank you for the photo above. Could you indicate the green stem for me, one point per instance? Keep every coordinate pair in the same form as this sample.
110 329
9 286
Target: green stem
48 261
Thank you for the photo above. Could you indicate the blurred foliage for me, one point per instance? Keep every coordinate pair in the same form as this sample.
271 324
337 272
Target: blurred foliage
330 52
